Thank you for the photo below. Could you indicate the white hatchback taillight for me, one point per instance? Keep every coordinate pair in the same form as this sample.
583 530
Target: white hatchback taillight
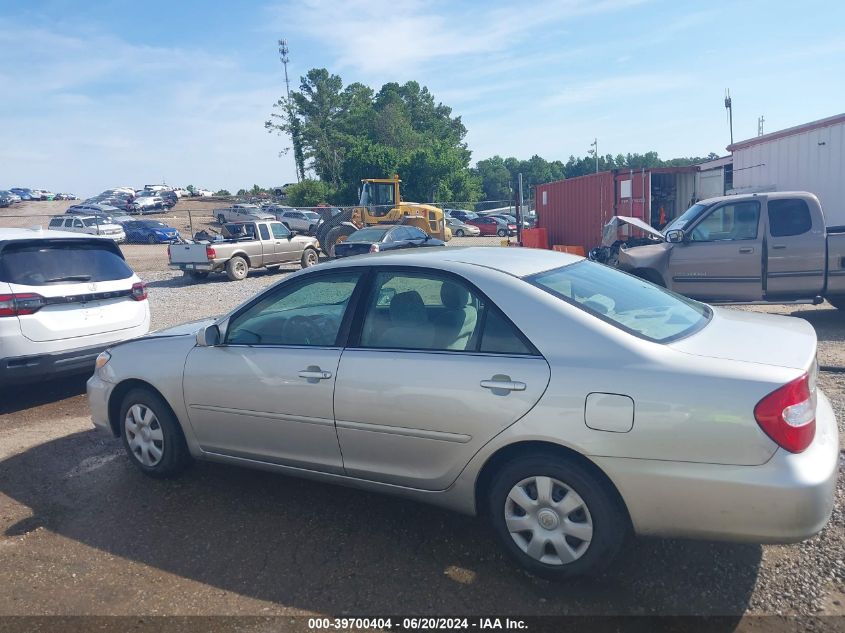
788 415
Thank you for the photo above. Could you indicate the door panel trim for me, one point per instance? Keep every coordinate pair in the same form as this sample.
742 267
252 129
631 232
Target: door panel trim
718 279
264 414
798 273
404 431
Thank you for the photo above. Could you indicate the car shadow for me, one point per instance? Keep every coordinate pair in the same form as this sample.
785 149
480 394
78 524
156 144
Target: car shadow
329 549
15 398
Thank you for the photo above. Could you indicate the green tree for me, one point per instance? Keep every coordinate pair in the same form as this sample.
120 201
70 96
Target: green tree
190 188
223 192
309 193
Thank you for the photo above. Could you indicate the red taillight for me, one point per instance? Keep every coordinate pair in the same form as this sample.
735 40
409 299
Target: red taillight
20 304
210 253
139 291
788 415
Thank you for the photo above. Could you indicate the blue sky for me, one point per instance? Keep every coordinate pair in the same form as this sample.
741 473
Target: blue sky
109 93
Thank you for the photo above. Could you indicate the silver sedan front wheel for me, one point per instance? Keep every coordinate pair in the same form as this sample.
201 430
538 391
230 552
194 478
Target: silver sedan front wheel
548 520
144 435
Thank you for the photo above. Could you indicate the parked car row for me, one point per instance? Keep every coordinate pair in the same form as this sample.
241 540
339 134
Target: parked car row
19 194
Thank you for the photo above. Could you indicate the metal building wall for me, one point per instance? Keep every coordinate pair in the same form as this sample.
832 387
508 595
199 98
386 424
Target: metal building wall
811 160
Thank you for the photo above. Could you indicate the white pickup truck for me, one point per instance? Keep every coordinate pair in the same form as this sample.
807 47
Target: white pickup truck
242 213
246 245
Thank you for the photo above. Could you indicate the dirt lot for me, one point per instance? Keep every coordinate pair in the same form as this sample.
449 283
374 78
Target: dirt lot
82 532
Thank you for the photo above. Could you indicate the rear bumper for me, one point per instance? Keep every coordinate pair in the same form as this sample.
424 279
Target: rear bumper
786 500
24 369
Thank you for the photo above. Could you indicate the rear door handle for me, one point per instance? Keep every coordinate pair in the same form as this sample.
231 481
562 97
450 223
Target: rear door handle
747 249
777 247
504 385
315 373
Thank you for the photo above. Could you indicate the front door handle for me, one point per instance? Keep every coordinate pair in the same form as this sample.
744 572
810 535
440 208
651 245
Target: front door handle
315 373
777 247
503 383
746 250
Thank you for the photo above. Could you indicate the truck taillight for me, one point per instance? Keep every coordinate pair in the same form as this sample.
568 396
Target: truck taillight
210 253
20 304
788 415
139 291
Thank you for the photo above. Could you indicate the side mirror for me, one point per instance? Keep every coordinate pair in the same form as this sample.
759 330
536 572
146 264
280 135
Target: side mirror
292 234
209 336
675 236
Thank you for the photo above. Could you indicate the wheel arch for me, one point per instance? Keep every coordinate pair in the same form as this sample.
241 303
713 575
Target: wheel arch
241 254
650 274
119 393
539 447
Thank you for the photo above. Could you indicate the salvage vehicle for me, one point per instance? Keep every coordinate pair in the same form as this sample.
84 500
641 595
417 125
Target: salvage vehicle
242 213
245 245
150 231
566 401
493 226
300 220
376 239
460 229
753 248
64 298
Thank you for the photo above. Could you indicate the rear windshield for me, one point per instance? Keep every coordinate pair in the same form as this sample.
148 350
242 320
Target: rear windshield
367 235
630 303
42 263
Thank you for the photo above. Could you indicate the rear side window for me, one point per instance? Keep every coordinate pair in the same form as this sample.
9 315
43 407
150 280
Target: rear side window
48 263
265 232
789 217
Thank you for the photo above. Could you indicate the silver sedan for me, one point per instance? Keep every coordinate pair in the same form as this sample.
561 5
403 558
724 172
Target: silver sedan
569 403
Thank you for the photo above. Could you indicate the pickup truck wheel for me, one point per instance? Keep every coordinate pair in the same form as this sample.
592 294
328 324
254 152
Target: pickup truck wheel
237 268
221 219
309 258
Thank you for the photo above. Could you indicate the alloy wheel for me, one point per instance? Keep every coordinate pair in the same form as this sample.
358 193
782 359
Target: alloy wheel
548 520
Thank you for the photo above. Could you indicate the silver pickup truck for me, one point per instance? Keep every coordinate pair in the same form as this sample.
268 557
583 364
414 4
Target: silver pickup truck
241 212
245 245
752 248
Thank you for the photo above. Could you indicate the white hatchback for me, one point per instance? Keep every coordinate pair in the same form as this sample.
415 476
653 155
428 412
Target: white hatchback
64 298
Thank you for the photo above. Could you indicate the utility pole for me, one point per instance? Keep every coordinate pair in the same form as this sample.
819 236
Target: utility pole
283 56
595 152
760 122
729 108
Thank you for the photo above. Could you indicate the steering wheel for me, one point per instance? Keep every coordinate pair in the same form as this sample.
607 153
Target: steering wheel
302 330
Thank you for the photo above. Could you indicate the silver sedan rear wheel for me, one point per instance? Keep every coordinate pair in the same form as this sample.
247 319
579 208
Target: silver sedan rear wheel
144 435
548 520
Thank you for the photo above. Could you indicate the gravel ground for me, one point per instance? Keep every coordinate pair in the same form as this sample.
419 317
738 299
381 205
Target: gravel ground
82 532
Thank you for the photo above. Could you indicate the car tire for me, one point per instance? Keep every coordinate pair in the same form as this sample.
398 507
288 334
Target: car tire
237 268
502 233
151 434
152 239
221 219
589 528
459 233
310 258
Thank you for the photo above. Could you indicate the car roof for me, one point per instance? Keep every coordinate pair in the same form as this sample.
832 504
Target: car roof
519 262
35 233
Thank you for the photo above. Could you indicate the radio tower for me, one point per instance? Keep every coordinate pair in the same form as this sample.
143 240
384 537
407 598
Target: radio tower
283 56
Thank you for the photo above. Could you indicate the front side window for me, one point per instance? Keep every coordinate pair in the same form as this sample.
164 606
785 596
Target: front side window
308 313
789 217
630 303
427 311
279 231
733 221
